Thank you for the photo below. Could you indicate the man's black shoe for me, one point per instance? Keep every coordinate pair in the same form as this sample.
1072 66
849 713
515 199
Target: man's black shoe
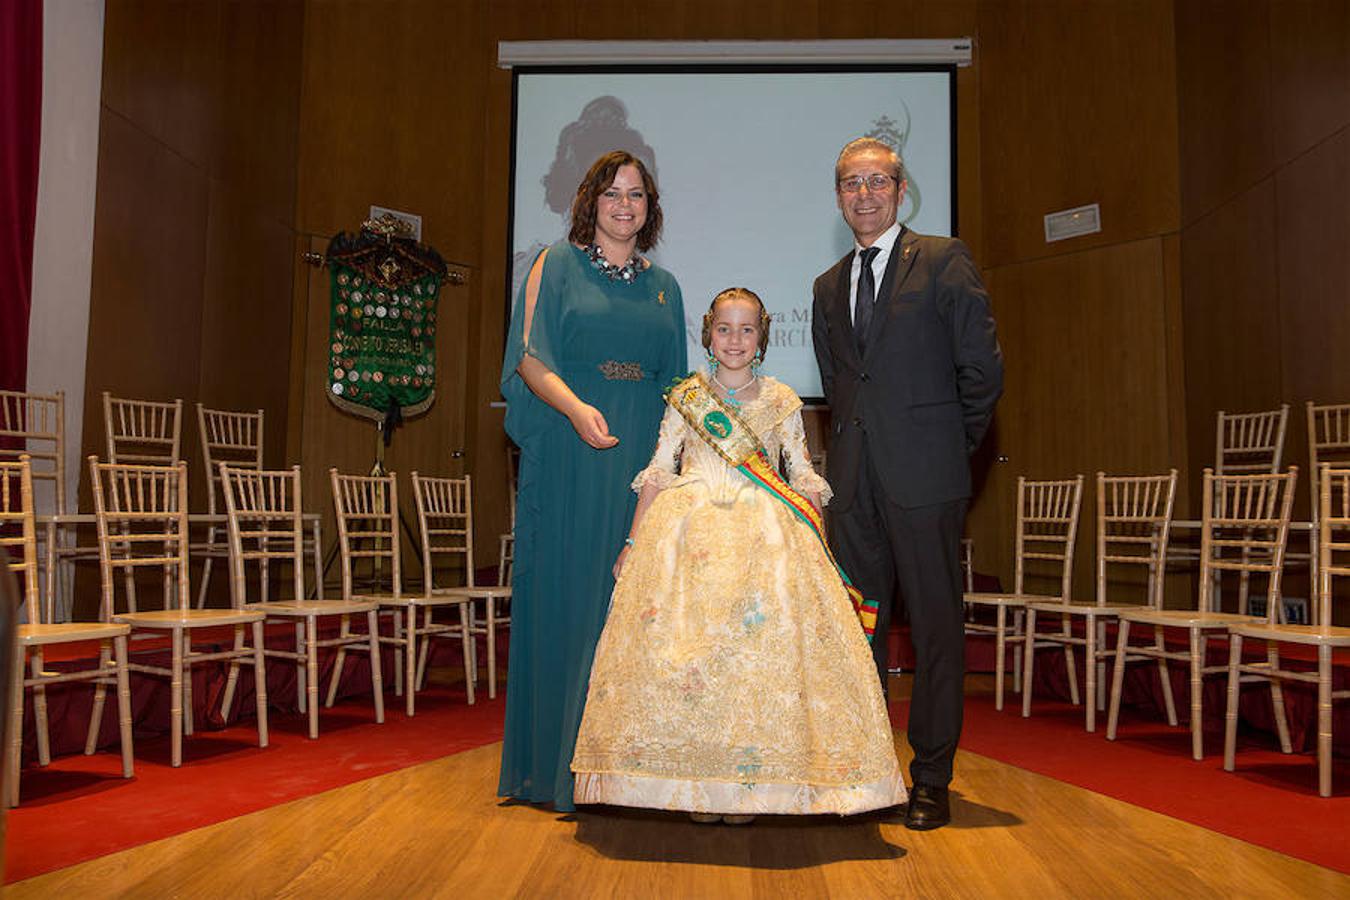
928 808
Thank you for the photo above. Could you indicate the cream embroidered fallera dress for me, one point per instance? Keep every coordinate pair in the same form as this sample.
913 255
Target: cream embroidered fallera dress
732 675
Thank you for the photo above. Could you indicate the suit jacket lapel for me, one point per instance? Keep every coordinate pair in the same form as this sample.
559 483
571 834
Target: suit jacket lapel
843 315
898 267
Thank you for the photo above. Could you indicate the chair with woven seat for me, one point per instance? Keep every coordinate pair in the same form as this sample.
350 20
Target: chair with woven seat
1334 563
264 524
1246 516
445 515
142 518
18 535
367 522
1134 514
1047 527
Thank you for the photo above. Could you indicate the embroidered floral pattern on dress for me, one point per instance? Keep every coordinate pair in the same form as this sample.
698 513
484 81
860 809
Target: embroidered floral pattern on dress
732 676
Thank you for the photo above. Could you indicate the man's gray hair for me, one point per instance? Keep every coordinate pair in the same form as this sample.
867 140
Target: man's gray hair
861 144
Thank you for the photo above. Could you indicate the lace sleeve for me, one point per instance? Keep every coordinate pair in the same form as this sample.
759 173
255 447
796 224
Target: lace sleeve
665 464
797 459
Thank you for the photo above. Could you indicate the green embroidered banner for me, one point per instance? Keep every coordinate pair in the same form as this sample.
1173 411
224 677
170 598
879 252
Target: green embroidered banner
382 324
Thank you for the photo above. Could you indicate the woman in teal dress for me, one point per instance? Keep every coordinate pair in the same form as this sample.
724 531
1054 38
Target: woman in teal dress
596 333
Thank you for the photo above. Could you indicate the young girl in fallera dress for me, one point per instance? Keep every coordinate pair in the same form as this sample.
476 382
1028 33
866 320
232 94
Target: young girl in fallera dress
733 676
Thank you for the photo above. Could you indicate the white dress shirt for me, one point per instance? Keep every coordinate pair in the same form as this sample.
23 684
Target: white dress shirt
885 244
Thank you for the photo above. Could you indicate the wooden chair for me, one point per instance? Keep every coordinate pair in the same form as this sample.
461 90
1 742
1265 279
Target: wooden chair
39 422
1247 515
1047 526
1334 550
143 523
1250 443
445 515
236 439
145 432
18 534
1244 444
1328 442
367 521
264 516
1134 514
141 432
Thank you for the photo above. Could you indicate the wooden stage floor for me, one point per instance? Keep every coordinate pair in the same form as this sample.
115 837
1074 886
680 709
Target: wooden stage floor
437 830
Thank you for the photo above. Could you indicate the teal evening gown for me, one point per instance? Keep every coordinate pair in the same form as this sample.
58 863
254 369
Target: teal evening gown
617 345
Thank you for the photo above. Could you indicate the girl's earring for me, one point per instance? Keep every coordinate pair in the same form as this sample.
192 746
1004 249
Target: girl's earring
712 363
757 361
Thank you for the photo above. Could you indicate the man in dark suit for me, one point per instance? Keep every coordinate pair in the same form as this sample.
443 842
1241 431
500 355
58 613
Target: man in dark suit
911 368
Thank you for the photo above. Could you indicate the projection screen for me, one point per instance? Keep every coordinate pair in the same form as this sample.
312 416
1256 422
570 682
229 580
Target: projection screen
744 159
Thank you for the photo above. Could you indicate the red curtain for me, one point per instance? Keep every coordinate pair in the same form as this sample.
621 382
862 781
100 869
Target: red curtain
20 138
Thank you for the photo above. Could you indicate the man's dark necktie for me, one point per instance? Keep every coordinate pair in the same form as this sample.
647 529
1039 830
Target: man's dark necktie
867 298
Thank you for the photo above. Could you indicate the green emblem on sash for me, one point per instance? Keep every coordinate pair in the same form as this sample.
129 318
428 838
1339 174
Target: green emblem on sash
717 424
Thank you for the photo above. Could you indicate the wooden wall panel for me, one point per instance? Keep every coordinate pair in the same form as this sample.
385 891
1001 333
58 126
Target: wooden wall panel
392 115
145 311
1313 258
1232 318
1265 99
196 201
1078 105
1224 98
161 63
1085 340
145 314
259 112
246 316
193 230
1310 72
1313 267
1175 324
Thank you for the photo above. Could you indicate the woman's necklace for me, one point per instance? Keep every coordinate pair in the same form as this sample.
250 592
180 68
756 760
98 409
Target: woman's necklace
731 391
625 273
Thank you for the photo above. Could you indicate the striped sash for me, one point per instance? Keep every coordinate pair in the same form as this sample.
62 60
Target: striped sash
722 428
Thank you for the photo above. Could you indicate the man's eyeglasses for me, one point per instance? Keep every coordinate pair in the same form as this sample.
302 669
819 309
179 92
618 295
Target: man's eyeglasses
877 182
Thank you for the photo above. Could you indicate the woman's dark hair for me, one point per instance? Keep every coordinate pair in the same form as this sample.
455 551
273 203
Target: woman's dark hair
738 293
598 180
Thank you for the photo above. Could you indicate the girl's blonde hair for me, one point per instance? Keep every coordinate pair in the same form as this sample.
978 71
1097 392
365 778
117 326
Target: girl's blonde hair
737 293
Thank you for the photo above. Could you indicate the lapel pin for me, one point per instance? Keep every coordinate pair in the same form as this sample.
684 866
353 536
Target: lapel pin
661 297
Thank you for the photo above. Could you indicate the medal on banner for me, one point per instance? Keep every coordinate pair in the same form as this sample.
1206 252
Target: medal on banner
382 322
